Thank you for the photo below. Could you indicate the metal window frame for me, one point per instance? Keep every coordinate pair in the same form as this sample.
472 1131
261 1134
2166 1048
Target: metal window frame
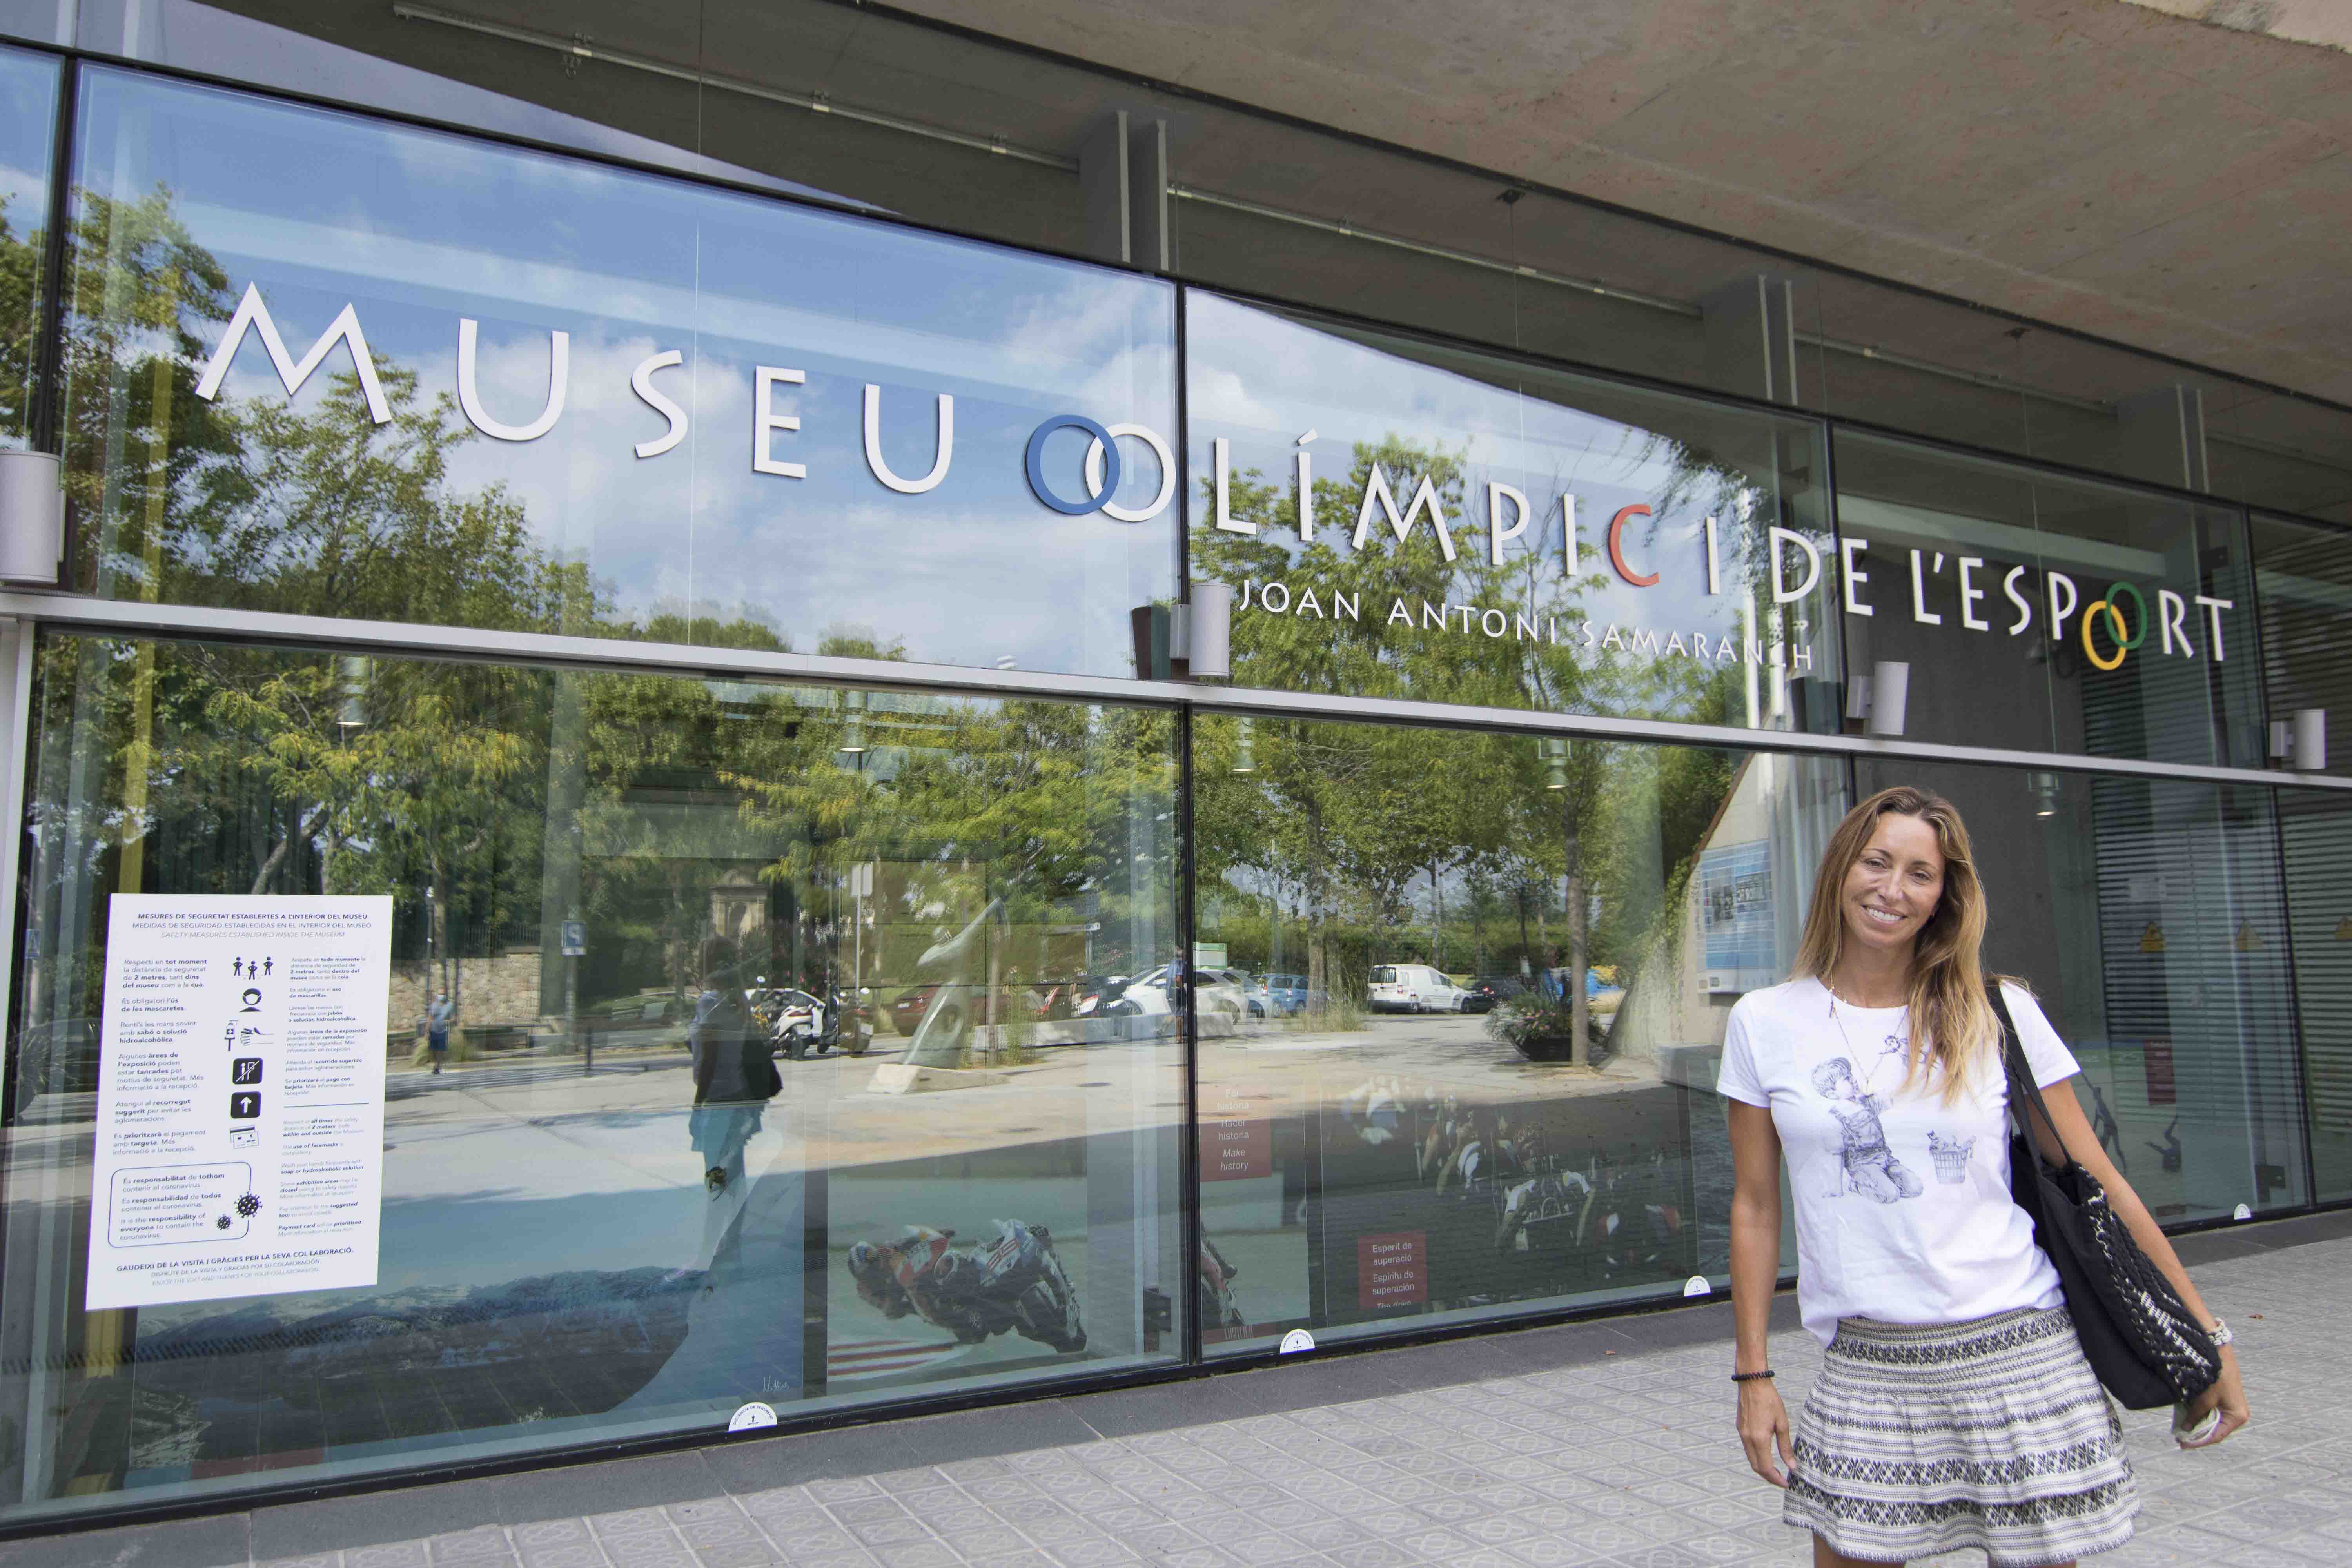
112 618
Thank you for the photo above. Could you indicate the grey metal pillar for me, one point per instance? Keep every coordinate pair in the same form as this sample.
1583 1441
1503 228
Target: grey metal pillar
1752 337
1123 182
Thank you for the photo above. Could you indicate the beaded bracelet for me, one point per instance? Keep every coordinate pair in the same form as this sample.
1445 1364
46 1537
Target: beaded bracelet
1748 1377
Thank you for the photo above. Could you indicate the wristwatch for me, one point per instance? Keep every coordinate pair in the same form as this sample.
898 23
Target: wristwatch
2220 1333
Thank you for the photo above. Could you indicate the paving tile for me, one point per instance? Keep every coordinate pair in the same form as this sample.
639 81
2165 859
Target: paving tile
389 1554
484 1544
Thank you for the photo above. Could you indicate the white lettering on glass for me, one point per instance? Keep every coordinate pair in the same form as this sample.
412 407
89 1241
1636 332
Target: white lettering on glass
2053 581
764 419
2172 609
1970 593
2024 605
1377 494
1919 610
469 394
944 455
1305 489
1854 576
1222 459
2213 607
1781 593
1496 494
641 382
344 328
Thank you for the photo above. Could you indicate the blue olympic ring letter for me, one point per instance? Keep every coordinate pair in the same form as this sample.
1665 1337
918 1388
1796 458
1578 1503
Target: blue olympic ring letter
1034 460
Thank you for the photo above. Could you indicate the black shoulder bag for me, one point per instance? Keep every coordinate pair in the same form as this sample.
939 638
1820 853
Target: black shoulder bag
2141 1340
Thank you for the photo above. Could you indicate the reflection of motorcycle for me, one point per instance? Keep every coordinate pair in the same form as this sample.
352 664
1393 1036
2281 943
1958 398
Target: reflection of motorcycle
1626 1224
1540 1213
814 1030
1016 1283
1217 1309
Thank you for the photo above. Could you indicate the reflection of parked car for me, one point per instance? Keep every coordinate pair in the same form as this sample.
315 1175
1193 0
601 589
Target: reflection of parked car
1414 988
1488 990
1285 993
60 1058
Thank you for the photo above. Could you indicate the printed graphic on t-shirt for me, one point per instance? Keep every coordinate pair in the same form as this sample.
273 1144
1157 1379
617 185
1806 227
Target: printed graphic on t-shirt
1871 1167
1951 1157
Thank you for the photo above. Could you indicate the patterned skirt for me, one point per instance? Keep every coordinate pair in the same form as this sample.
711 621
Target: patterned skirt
1992 1434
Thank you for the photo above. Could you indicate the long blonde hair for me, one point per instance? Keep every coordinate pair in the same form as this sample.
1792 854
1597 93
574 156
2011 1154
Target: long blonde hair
1946 985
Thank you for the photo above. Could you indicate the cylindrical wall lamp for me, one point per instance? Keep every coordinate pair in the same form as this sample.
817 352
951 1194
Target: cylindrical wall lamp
1209 632
1890 692
32 518
2310 739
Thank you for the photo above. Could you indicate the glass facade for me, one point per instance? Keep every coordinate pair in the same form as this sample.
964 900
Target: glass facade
588 1234
659 412
1474 990
689 548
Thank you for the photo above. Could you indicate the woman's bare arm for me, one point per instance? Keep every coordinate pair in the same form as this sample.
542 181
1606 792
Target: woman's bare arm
1755 1273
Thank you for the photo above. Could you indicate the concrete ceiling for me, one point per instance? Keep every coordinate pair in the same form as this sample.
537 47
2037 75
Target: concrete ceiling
2111 166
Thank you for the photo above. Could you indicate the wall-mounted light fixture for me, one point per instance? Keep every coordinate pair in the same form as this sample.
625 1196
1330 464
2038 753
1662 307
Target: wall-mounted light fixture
32 518
352 715
2046 794
1554 751
2310 739
1244 747
1884 697
1209 631
852 728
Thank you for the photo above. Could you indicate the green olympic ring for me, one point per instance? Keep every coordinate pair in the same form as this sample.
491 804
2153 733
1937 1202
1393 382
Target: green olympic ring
2140 614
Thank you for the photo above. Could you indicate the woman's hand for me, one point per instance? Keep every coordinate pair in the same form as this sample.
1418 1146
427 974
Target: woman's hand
2228 1396
1764 1430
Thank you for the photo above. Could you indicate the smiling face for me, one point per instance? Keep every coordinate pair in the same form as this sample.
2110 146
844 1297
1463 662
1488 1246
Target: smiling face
1894 885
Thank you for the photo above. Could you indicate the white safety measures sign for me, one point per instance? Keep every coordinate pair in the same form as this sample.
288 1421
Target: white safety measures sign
240 1102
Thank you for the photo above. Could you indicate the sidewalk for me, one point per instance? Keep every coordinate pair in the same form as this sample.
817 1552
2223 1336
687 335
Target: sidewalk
1604 1443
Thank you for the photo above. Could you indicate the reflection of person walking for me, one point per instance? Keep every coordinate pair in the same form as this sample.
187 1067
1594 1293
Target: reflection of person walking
734 1077
437 1019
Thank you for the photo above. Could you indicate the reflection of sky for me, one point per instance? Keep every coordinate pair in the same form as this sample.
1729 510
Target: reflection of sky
417 230
214 41
1261 380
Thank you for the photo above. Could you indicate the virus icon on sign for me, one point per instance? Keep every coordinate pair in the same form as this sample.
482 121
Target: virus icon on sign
222 1222
249 1205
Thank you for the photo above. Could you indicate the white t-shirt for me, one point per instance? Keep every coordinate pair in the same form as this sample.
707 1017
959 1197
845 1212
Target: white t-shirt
1903 1212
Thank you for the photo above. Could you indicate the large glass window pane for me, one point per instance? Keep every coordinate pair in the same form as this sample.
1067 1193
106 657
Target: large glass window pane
2316 836
649 401
2148 918
601 1218
28 118
2303 581
1461 999
2038 612
1483 530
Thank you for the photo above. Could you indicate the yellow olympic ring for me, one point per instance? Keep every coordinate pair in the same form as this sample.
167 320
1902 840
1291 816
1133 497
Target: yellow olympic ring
2116 626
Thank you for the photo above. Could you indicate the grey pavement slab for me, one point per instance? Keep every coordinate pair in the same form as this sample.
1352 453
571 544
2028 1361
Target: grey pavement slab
1598 1445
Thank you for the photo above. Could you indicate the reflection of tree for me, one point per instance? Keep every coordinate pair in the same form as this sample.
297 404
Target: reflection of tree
20 295
1355 813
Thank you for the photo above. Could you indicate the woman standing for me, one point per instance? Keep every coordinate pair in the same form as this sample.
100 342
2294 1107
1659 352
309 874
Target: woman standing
1954 1407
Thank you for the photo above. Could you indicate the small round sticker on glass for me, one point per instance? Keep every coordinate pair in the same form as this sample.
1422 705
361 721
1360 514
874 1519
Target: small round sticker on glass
752 1417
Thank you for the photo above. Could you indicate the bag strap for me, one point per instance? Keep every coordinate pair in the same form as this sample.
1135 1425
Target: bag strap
2020 1074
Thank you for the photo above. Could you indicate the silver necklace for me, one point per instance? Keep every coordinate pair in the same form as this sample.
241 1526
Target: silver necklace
1868 1073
